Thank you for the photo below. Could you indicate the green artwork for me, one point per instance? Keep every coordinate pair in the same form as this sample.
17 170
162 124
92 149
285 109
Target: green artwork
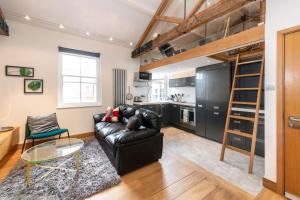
25 71
34 85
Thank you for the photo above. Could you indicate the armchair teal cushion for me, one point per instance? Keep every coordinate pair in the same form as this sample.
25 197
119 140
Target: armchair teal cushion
47 134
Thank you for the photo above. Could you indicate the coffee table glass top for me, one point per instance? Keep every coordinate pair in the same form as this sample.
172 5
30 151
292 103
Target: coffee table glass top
52 150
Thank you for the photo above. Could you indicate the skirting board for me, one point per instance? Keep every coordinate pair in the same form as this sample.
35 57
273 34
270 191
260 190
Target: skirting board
81 135
270 185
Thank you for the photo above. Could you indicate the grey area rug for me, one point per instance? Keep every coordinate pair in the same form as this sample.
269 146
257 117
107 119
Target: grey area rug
95 175
206 154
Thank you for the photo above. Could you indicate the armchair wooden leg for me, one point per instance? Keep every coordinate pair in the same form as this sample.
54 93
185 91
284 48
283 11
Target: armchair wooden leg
59 136
23 145
32 142
68 134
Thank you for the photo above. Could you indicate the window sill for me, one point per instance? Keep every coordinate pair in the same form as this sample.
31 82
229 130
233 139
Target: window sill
78 106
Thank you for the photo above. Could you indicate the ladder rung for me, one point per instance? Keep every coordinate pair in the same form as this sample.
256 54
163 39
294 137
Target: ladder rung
242 118
244 89
249 62
238 150
247 135
244 103
247 75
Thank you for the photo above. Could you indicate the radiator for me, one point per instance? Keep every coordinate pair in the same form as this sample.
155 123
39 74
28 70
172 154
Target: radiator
119 86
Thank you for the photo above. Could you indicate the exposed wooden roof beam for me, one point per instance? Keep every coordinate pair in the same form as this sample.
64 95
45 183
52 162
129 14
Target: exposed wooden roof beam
173 20
218 9
163 5
196 8
242 39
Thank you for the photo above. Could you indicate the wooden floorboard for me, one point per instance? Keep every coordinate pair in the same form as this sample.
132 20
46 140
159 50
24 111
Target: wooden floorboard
173 177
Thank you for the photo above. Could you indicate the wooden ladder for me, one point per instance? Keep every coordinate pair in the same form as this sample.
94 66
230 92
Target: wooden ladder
254 120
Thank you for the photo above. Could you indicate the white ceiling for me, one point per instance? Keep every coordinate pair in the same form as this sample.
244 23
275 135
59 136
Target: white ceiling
124 20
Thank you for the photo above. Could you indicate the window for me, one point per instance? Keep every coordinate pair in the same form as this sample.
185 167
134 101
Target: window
79 78
158 87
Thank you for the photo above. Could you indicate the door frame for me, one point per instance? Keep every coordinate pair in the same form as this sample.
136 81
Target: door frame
280 184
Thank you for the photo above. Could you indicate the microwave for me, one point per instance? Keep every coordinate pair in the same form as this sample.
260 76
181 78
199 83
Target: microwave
142 76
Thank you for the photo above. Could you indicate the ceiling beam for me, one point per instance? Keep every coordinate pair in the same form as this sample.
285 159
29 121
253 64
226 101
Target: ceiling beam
163 5
215 11
196 8
242 39
173 20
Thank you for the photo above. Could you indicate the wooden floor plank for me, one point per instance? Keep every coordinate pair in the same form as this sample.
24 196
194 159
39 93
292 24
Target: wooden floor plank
199 191
179 187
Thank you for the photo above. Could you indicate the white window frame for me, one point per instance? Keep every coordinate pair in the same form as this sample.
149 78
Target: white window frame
98 102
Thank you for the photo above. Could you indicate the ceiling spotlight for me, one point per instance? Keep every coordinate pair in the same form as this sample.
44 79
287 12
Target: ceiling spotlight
130 43
87 33
27 17
61 26
155 35
111 39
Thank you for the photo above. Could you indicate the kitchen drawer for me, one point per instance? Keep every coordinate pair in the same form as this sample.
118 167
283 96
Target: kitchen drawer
241 125
239 142
260 147
242 114
215 124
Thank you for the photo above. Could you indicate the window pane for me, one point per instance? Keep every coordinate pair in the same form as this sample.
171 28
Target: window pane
88 92
88 67
71 79
70 65
88 80
71 92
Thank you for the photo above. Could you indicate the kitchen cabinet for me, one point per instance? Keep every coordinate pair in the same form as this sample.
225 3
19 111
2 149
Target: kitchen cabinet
182 82
212 95
174 115
165 114
190 81
213 84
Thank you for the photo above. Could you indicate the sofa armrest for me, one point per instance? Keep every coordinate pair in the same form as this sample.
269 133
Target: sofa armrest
98 117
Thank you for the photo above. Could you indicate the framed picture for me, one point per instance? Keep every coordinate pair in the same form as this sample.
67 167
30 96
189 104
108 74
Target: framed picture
19 71
33 86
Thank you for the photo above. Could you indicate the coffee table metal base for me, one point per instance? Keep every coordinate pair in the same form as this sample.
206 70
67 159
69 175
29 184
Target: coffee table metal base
77 158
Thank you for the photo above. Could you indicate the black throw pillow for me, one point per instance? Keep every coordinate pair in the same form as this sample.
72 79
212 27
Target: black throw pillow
134 123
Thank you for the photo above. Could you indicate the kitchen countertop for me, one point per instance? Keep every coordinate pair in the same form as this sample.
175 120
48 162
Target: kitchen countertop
165 102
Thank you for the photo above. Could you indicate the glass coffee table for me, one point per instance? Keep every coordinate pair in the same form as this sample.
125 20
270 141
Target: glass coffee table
52 150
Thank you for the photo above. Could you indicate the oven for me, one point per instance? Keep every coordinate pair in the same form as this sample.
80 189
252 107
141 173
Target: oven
187 116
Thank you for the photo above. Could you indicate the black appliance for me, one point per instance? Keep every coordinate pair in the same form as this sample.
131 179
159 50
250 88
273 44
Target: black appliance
142 76
187 116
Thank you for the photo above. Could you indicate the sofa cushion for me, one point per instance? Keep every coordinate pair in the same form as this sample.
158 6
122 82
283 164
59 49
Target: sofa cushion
125 112
134 122
150 119
105 128
128 136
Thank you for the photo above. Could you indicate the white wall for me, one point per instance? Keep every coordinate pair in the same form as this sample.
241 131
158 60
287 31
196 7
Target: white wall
35 47
280 15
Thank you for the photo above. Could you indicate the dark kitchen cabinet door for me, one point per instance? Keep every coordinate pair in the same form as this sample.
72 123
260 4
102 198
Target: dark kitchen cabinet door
218 88
165 113
174 114
190 81
215 123
200 102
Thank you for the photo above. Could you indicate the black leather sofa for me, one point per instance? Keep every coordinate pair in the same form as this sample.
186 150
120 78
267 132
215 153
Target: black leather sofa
128 149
